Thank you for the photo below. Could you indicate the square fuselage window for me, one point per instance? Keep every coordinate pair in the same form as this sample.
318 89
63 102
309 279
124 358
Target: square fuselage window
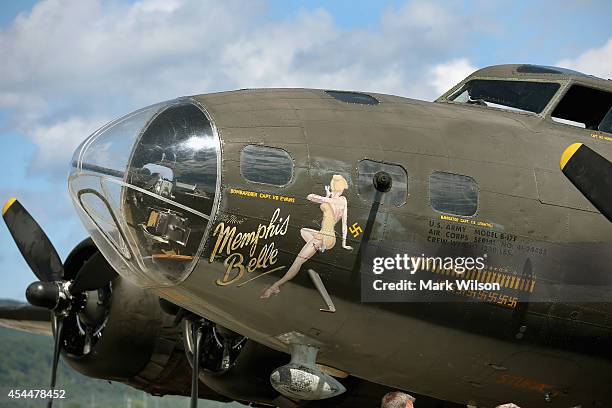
267 165
399 188
453 193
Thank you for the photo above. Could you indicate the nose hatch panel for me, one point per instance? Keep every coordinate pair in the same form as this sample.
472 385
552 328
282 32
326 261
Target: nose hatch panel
145 186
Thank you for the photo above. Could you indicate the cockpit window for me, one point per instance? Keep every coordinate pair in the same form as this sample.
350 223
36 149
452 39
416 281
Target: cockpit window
606 123
538 69
543 69
585 107
264 164
522 96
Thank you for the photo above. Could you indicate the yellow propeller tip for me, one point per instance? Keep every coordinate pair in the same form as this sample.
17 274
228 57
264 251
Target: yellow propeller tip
8 204
568 153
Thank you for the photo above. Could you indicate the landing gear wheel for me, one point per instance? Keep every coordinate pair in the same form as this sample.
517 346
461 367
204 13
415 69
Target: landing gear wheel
219 347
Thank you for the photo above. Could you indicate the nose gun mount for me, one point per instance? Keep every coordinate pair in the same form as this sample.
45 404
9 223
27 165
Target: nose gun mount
146 187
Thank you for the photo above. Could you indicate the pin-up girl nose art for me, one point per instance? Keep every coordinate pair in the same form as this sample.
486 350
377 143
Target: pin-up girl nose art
334 208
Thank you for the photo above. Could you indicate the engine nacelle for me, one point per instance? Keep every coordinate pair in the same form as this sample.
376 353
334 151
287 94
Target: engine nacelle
121 333
124 341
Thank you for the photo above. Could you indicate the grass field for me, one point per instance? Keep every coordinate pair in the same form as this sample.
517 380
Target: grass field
25 363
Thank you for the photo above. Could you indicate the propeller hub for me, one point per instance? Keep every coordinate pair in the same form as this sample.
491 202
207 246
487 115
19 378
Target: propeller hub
43 294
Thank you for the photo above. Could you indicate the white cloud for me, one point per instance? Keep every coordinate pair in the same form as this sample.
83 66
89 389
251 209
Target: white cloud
596 61
449 74
13 99
67 64
58 141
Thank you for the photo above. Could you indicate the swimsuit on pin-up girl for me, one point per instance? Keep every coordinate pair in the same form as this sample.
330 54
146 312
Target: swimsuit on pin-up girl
334 208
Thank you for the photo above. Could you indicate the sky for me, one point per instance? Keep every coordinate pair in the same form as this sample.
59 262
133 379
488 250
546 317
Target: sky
69 66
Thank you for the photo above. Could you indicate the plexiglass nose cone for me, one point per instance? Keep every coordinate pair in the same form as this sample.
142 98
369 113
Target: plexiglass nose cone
145 187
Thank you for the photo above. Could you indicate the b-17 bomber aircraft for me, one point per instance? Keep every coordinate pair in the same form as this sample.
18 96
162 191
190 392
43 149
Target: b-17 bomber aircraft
284 247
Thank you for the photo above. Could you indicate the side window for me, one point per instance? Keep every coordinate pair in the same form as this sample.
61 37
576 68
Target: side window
263 164
586 108
366 170
453 193
353 97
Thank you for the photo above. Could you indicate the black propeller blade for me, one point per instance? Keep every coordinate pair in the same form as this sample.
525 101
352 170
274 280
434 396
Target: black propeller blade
52 291
591 174
32 242
57 335
41 256
196 337
93 275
